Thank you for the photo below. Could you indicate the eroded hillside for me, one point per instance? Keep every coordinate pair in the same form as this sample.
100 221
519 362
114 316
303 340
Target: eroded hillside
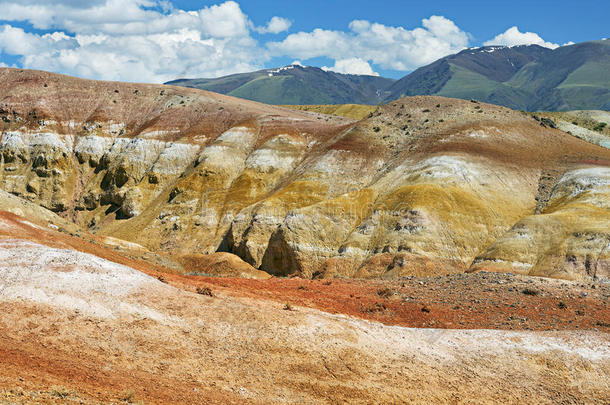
81 325
426 185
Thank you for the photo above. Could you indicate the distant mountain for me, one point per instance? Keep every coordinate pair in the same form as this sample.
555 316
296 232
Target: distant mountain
574 77
527 77
296 84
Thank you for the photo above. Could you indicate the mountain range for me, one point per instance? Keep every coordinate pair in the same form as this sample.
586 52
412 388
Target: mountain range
527 77
295 85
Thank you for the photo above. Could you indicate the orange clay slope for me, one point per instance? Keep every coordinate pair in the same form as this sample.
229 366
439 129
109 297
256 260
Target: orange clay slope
77 327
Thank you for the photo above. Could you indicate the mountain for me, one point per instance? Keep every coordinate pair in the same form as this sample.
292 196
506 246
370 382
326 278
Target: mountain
422 185
531 78
295 85
527 77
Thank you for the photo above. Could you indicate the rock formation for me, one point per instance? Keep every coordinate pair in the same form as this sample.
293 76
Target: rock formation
424 185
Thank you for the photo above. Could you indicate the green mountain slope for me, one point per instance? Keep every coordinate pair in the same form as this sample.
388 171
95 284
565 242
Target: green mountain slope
523 77
296 85
528 77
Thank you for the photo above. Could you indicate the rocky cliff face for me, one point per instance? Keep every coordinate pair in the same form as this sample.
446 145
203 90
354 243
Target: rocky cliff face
424 185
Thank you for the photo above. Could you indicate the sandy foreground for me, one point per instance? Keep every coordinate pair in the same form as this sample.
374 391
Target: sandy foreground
79 328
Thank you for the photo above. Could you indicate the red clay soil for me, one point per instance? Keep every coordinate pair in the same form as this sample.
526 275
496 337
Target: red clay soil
36 374
458 301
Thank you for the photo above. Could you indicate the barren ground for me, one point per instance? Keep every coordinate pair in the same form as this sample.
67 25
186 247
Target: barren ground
77 328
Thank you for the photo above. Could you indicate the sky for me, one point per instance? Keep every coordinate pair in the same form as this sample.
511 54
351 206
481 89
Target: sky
160 40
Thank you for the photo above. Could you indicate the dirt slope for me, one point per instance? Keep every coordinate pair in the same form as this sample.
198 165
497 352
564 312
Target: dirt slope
76 327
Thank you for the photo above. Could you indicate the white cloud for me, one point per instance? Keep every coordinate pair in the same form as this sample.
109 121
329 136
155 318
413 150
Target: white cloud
224 20
134 40
16 41
274 26
354 66
389 47
151 40
513 37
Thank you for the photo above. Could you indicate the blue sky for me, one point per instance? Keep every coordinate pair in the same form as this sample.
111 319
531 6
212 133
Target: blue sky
557 21
160 40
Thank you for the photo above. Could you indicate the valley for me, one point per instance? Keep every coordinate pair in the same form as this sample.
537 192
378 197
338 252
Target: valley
161 244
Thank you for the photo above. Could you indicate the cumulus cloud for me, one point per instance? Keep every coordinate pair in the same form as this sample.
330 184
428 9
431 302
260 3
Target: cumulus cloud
134 40
513 37
152 41
354 66
274 26
387 46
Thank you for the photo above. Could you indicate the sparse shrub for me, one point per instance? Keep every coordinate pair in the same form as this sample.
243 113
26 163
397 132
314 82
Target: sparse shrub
288 307
426 110
438 106
385 292
530 291
426 120
562 305
60 392
441 120
376 129
425 309
327 282
205 291
301 287
161 279
599 127
376 307
127 396
574 122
